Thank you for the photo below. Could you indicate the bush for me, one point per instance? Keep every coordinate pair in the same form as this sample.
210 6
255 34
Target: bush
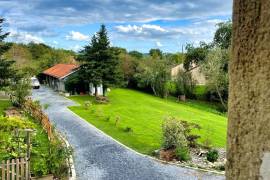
128 129
212 155
87 104
182 154
191 138
19 91
173 134
57 159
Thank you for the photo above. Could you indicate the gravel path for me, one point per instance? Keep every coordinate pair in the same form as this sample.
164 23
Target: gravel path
97 156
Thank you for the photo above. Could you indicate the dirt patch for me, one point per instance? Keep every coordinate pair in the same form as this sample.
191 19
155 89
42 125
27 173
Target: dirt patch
13 111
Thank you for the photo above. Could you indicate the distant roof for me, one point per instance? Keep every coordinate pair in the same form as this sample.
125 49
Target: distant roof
61 70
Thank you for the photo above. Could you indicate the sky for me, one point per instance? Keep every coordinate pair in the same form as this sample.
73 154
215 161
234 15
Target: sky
132 24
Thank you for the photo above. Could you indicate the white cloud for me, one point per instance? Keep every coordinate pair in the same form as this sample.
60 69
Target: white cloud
24 37
197 30
76 48
77 36
55 42
159 44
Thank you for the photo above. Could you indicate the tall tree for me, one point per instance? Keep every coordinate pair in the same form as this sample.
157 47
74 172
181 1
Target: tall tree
6 70
215 69
101 64
91 68
156 53
195 55
223 35
108 56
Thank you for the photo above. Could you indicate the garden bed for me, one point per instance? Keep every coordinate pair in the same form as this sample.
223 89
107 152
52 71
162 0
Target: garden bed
47 157
198 159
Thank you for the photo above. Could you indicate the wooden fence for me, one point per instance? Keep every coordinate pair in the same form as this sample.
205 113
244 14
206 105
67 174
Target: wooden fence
36 112
15 169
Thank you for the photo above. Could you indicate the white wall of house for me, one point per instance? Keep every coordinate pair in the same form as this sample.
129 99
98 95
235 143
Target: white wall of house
92 89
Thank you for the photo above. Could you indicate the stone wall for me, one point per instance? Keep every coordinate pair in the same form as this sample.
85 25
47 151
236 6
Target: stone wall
248 145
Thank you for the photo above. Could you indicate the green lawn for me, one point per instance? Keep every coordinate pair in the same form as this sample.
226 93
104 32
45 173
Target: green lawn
3 105
144 113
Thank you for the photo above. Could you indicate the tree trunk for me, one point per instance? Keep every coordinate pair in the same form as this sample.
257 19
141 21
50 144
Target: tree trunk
96 90
104 88
221 99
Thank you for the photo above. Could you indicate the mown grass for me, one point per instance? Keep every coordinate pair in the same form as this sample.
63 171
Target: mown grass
144 114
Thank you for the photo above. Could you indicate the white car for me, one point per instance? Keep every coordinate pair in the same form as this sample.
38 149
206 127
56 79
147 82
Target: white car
35 83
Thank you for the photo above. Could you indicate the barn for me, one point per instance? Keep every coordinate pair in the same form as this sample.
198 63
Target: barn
56 76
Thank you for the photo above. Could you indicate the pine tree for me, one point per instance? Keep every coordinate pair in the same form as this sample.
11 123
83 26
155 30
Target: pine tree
101 64
111 74
91 69
6 71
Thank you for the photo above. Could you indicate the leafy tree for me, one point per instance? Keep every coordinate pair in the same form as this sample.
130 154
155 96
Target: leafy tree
174 58
195 55
223 35
156 53
136 54
154 74
6 70
215 69
19 91
185 84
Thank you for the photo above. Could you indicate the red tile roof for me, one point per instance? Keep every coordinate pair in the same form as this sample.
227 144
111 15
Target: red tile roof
60 70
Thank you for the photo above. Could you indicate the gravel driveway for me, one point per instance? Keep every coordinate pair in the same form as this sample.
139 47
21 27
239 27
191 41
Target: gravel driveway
97 156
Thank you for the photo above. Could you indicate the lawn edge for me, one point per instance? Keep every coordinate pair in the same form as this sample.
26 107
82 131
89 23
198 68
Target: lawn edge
144 155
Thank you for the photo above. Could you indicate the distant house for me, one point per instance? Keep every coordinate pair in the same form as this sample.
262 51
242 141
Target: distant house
56 76
195 72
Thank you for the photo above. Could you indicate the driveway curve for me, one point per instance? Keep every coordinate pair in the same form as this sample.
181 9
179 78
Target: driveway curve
97 156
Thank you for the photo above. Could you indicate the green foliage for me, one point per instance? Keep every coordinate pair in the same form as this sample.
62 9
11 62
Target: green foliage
215 69
46 106
6 70
189 133
57 159
136 54
19 92
173 134
100 61
154 74
223 35
87 104
12 139
212 155
200 92
175 58
12 123
185 84
195 55
156 53
33 58
182 154
76 83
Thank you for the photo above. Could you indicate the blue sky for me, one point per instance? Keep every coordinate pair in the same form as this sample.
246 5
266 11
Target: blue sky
132 24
